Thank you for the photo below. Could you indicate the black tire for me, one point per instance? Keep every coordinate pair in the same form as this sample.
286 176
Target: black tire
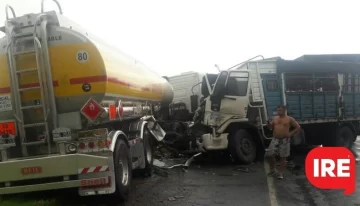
242 147
148 153
122 159
345 137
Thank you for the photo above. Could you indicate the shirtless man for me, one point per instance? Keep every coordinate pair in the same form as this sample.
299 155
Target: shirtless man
281 142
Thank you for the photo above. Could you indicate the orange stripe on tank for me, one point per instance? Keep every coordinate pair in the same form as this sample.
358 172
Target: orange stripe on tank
90 79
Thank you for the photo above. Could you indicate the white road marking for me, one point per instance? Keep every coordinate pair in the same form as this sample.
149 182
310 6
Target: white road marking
271 186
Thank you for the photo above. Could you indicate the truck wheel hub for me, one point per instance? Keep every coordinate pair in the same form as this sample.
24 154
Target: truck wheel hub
125 170
246 146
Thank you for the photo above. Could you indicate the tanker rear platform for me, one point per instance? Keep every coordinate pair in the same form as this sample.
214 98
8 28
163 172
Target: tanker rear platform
41 174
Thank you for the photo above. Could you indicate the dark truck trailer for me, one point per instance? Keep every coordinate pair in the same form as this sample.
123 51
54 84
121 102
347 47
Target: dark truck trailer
330 58
323 96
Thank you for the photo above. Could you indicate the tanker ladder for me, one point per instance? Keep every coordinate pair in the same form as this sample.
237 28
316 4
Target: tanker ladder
14 37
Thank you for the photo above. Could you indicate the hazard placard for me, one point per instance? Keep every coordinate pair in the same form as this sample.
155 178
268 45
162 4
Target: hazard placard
92 110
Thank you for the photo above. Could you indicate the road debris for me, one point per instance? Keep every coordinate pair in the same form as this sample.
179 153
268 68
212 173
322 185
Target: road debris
244 169
158 163
172 199
162 165
160 172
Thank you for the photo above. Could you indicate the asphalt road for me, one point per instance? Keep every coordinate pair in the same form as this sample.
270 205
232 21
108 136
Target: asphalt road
206 183
219 182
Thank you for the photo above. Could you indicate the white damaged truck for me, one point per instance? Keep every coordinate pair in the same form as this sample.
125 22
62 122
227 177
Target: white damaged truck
321 93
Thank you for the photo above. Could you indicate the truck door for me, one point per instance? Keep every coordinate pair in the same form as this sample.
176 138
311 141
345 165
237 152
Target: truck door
272 93
236 98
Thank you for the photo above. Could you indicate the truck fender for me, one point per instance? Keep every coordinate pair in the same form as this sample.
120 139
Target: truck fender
154 128
234 125
114 136
226 124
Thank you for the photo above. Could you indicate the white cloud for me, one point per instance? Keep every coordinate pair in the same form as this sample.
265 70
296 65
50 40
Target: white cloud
181 35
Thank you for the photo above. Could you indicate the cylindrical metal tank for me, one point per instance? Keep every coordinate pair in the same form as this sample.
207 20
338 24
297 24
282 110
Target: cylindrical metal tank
83 66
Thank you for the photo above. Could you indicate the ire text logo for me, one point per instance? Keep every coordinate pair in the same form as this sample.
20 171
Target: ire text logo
331 168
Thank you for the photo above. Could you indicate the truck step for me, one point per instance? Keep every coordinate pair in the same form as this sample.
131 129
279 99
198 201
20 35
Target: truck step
22 35
34 143
34 125
28 88
32 51
32 106
26 70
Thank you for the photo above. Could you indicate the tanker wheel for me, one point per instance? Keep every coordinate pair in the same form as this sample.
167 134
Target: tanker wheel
345 137
242 147
148 153
123 170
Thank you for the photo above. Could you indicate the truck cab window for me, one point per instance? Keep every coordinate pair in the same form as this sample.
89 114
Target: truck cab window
237 84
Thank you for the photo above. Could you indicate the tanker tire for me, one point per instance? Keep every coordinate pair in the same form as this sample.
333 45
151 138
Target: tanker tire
344 137
148 153
242 147
123 165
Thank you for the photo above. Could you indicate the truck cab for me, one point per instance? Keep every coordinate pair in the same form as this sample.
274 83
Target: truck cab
225 112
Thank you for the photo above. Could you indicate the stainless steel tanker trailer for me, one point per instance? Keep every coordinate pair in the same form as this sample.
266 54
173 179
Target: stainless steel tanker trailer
74 111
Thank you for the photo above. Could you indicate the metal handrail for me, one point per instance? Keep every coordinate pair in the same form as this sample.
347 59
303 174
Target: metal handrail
49 79
192 88
262 126
37 20
247 61
58 4
7 7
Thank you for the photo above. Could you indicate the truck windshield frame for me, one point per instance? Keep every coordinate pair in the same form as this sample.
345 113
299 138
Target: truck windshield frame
237 84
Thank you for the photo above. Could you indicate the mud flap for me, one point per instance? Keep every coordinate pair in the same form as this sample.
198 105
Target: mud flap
104 173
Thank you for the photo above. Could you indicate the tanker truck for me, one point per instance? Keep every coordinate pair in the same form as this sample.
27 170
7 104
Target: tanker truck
74 111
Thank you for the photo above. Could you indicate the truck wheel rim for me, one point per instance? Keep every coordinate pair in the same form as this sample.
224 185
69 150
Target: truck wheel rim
147 147
125 170
246 146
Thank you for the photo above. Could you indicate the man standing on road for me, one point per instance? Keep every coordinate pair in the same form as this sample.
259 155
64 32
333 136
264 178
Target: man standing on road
280 144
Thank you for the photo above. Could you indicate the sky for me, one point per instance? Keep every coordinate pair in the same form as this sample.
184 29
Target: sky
176 36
